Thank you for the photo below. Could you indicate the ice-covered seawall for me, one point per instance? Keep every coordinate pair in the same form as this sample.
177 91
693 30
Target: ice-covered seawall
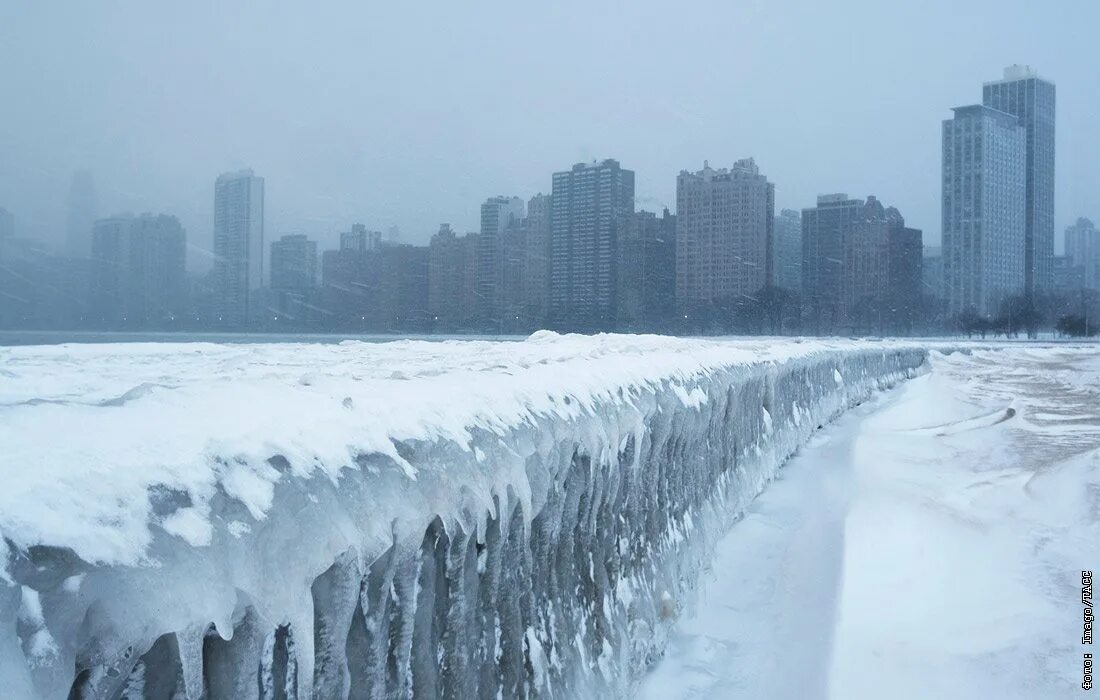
458 519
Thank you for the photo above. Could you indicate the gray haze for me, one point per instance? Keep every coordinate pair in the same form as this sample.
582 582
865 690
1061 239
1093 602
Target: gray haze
405 114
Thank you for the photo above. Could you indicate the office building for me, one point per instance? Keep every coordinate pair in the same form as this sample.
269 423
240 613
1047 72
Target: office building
646 262
590 204
1029 98
238 246
787 255
138 271
723 233
984 210
1083 251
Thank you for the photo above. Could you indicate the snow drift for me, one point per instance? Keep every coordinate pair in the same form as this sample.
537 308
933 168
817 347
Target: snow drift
407 519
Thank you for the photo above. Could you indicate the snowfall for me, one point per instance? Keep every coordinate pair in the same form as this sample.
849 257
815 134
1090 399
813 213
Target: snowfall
566 516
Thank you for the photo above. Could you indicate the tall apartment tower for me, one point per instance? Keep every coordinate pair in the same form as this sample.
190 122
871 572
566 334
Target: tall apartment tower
1023 94
984 209
238 245
590 205
1083 251
500 216
723 233
536 282
787 250
360 239
137 275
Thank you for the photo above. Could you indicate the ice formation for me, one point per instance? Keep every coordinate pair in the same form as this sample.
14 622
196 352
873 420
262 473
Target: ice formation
407 519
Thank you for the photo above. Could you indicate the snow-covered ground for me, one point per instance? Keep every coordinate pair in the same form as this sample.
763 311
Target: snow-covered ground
458 519
929 544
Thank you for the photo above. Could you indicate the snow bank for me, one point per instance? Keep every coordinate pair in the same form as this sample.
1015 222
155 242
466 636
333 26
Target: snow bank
461 519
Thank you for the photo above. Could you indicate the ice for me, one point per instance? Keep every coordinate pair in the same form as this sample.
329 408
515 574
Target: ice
465 519
930 541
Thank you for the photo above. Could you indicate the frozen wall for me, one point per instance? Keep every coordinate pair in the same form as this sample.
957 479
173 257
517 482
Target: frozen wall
411 520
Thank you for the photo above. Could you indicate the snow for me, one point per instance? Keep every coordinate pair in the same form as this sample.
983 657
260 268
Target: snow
397 518
930 542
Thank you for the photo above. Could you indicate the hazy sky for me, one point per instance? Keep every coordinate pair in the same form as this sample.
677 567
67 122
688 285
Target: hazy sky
413 113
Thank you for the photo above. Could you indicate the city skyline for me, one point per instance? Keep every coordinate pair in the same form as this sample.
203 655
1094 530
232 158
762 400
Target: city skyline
329 167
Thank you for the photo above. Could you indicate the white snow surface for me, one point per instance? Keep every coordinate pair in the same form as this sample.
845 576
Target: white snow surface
462 518
929 544
88 430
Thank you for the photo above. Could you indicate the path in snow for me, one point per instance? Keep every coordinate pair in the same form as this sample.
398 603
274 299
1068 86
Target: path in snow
927 544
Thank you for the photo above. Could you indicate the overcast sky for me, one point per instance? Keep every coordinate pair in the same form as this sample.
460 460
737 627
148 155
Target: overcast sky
411 114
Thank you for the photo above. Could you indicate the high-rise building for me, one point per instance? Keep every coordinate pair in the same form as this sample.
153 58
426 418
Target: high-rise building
449 279
536 274
984 213
238 246
646 262
7 224
1083 250
787 256
359 238
723 233
590 205
500 218
138 270
855 254
1029 98
932 272
294 263
293 275
83 210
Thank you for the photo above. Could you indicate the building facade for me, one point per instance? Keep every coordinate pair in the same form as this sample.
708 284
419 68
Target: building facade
1083 251
787 255
861 266
1029 98
359 238
138 273
984 210
724 233
500 221
646 261
238 246
590 206
294 275
451 284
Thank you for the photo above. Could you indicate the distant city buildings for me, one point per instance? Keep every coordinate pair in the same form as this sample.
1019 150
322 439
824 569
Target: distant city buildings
1029 98
984 209
724 234
646 262
1082 244
359 238
497 245
83 210
591 204
138 271
787 256
293 275
452 280
861 266
932 272
238 246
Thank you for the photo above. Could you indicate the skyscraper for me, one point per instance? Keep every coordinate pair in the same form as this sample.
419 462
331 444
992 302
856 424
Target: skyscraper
590 204
448 279
1083 250
238 245
359 238
855 253
646 261
293 275
500 216
1023 94
138 273
82 214
984 213
787 256
723 233
536 276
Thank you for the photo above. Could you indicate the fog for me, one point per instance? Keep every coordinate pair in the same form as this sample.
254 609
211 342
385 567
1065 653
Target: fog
411 114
